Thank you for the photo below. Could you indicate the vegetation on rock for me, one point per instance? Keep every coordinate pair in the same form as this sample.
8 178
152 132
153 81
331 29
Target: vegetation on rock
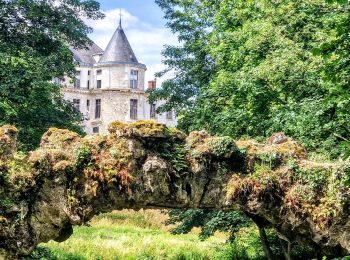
70 179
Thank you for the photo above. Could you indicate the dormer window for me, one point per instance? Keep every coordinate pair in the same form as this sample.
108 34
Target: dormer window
134 75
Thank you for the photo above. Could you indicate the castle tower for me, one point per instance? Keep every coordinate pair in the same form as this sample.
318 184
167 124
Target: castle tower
110 86
121 67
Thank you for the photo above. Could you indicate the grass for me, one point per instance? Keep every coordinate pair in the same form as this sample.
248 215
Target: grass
142 235
133 235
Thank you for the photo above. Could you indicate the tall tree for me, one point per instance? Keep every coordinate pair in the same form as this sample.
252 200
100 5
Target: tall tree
35 36
190 63
335 51
263 69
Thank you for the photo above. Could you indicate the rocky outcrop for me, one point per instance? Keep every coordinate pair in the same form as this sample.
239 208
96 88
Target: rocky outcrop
70 179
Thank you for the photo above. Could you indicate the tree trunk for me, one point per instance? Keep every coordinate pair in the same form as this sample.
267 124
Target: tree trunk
287 248
266 244
261 223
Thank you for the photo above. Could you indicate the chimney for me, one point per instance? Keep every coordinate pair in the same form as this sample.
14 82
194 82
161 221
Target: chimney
152 84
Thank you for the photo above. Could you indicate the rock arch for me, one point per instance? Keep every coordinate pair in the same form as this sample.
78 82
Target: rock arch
69 179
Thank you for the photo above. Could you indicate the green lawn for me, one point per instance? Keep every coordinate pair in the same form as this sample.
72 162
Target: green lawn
133 235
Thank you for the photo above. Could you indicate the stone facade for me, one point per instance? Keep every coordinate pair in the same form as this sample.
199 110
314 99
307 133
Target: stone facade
110 86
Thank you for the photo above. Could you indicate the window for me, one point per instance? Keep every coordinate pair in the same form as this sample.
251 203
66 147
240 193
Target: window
169 115
77 73
89 72
153 111
88 105
134 74
76 103
98 108
99 72
96 130
99 83
133 108
88 84
77 83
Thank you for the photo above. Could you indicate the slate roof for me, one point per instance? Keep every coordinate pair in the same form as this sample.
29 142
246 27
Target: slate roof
86 56
118 49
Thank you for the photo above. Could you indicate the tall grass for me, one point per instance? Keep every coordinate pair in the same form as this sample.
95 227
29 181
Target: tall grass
142 235
131 235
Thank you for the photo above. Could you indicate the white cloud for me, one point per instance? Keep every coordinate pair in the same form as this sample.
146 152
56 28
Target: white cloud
147 41
111 21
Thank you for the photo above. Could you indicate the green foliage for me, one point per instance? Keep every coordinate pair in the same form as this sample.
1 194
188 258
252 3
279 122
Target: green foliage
244 240
315 178
40 253
191 21
346 179
208 220
34 48
253 68
176 154
246 246
178 159
223 146
83 157
5 204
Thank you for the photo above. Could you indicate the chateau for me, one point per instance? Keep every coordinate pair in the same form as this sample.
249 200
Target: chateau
110 86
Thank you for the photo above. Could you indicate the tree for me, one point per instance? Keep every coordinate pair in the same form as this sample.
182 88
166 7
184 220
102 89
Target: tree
336 56
190 63
263 70
34 48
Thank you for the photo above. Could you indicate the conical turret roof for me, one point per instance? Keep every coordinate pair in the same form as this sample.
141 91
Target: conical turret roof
118 49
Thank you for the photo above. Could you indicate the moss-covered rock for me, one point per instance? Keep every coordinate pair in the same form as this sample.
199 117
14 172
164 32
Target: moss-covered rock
8 136
274 154
70 179
142 128
59 138
202 146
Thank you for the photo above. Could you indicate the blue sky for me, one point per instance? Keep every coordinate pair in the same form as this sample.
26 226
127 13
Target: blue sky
144 26
146 10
